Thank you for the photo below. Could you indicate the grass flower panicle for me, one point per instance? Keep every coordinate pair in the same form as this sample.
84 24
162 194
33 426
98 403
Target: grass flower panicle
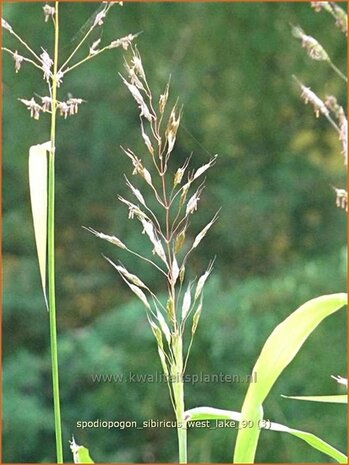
341 198
313 48
336 11
44 201
333 112
166 232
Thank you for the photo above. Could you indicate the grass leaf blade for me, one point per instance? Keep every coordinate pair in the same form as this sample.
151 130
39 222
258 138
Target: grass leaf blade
336 399
279 350
38 198
209 413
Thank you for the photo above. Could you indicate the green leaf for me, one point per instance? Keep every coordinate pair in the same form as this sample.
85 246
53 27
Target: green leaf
279 350
80 453
337 399
38 198
314 442
209 413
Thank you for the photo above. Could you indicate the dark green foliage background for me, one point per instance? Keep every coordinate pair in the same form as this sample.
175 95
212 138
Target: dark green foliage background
279 240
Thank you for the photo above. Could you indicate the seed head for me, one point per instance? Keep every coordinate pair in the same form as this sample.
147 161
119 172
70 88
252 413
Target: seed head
140 294
309 96
18 61
46 103
336 11
139 99
33 107
46 64
99 19
204 168
174 271
171 310
163 325
149 230
192 204
135 289
112 239
181 274
180 172
184 193
147 141
73 104
163 99
196 318
138 166
147 177
179 241
186 302
59 78
332 104
64 109
49 11
178 177
202 280
163 361
313 48
93 48
133 209
202 234
136 61
317 5
129 276
344 138
171 130
124 42
5 25
341 198
340 380
136 192
157 333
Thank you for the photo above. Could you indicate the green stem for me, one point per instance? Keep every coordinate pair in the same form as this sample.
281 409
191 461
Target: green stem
51 254
178 393
181 428
338 71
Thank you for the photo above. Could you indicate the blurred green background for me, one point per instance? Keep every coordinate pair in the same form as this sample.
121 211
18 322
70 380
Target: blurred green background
279 241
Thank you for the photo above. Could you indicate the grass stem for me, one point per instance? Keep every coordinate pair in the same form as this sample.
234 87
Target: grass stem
51 254
338 71
178 393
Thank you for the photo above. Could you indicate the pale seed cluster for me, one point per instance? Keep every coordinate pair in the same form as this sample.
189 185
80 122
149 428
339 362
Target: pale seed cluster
67 108
44 62
336 11
313 48
329 107
167 232
332 111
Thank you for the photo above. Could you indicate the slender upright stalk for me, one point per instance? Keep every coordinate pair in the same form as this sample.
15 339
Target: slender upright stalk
50 105
51 252
167 238
338 71
178 393
178 385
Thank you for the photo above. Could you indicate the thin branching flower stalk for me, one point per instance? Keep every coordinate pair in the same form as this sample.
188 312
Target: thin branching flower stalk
43 206
178 317
328 107
334 10
315 50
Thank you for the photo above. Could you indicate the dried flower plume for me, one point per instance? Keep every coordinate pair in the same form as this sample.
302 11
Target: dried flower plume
166 232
